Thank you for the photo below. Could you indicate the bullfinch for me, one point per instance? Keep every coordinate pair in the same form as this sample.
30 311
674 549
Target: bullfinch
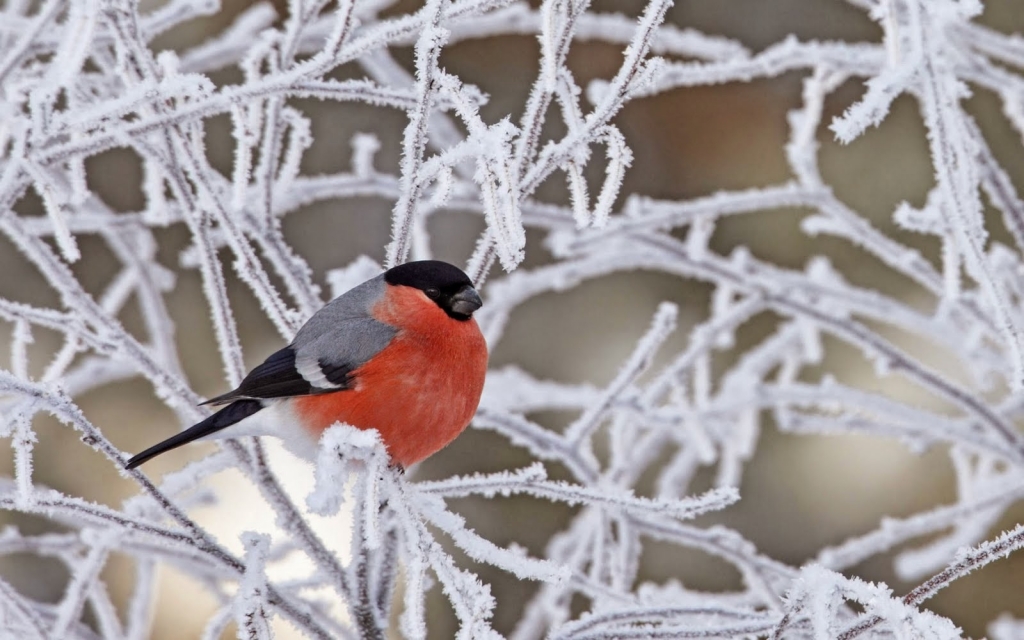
400 353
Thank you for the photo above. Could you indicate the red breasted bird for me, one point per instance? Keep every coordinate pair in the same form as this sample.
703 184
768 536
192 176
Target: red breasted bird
400 353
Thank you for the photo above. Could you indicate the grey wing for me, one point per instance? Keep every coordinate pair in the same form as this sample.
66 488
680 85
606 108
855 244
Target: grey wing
336 341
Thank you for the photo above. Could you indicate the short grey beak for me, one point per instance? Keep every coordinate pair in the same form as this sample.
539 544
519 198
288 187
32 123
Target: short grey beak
466 301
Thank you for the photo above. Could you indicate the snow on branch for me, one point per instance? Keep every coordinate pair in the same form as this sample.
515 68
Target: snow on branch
648 455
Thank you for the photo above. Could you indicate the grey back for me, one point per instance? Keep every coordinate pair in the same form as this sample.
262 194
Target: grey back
343 333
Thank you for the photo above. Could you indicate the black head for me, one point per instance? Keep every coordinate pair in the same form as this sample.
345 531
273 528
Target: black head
443 283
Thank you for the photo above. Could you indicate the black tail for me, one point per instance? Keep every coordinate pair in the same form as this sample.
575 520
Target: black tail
229 415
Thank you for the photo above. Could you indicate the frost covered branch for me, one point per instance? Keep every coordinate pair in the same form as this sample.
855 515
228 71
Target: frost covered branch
82 80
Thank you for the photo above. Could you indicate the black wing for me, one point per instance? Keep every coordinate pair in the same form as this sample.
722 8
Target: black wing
336 341
278 377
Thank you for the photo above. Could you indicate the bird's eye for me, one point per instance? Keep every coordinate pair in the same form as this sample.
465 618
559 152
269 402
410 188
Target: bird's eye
433 293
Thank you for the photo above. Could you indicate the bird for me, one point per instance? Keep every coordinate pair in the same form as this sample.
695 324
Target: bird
400 353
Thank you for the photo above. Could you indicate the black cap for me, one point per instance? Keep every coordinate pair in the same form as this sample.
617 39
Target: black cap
444 283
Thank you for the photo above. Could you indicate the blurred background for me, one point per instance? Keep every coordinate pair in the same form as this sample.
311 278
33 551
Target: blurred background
799 493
